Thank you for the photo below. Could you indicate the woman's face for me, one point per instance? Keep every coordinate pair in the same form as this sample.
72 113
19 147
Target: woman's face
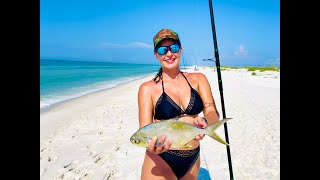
170 59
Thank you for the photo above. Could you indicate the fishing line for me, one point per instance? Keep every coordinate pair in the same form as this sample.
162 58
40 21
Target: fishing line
184 59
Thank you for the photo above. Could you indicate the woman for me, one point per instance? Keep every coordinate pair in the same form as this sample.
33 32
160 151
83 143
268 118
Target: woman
170 94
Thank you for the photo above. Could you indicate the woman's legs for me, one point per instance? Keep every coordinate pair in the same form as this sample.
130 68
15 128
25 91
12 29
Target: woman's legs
193 172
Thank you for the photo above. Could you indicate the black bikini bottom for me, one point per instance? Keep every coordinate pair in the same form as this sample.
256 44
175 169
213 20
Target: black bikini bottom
180 161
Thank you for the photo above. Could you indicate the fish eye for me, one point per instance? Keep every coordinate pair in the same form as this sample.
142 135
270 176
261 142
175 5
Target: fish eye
135 141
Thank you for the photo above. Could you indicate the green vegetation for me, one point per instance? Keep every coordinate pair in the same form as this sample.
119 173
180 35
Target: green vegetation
252 68
261 69
229 67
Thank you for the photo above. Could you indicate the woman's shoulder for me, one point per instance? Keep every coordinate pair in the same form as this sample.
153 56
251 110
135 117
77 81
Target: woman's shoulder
194 75
148 86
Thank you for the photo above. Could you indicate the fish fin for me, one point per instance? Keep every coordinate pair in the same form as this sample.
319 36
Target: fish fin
217 124
187 146
216 137
210 131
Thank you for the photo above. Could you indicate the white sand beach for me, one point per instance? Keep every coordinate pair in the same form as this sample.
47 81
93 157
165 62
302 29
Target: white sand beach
88 137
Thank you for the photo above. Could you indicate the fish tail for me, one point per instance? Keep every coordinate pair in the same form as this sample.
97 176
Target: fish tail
210 131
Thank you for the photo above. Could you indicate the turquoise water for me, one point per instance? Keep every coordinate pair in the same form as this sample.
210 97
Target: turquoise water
62 80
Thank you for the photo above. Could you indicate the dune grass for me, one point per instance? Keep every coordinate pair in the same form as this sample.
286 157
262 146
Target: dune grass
262 69
252 68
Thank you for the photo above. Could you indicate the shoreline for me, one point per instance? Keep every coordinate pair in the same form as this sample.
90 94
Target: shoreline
186 68
53 105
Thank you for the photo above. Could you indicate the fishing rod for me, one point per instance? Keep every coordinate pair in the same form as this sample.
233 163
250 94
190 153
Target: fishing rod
216 54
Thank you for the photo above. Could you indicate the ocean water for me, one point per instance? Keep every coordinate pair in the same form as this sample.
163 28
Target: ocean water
63 80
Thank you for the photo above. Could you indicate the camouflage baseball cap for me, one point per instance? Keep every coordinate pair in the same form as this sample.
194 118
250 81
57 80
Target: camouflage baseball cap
165 34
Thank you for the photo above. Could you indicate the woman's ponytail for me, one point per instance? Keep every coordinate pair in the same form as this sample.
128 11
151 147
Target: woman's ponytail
158 76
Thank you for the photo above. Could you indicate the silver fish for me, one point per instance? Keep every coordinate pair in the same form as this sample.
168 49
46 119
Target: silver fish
174 129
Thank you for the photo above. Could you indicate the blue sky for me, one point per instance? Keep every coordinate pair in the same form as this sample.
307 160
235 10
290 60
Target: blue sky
248 31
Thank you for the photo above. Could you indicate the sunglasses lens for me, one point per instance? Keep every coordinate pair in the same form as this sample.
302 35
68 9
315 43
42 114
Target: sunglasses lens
174 48
162 50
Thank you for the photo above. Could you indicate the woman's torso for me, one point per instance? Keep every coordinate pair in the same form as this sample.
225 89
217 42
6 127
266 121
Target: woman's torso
179 98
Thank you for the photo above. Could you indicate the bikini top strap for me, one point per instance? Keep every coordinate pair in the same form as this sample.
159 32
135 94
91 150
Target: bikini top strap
162 85
186 79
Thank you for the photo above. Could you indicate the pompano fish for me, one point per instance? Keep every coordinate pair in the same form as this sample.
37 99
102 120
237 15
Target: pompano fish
174 129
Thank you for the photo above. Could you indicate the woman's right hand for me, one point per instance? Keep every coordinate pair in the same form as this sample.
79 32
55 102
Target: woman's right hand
153 148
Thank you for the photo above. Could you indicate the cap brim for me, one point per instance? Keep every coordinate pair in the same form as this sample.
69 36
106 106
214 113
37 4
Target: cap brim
177 40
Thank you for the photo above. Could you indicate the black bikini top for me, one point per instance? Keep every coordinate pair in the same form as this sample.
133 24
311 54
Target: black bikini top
166 108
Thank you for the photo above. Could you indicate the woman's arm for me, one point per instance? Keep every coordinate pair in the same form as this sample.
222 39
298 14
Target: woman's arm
210 110
211 115
145 106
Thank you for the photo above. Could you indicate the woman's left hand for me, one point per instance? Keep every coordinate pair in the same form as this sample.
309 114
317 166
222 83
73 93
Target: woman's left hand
200 123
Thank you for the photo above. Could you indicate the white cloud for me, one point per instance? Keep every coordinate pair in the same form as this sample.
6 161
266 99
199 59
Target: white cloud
241 51
130 45
140 44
